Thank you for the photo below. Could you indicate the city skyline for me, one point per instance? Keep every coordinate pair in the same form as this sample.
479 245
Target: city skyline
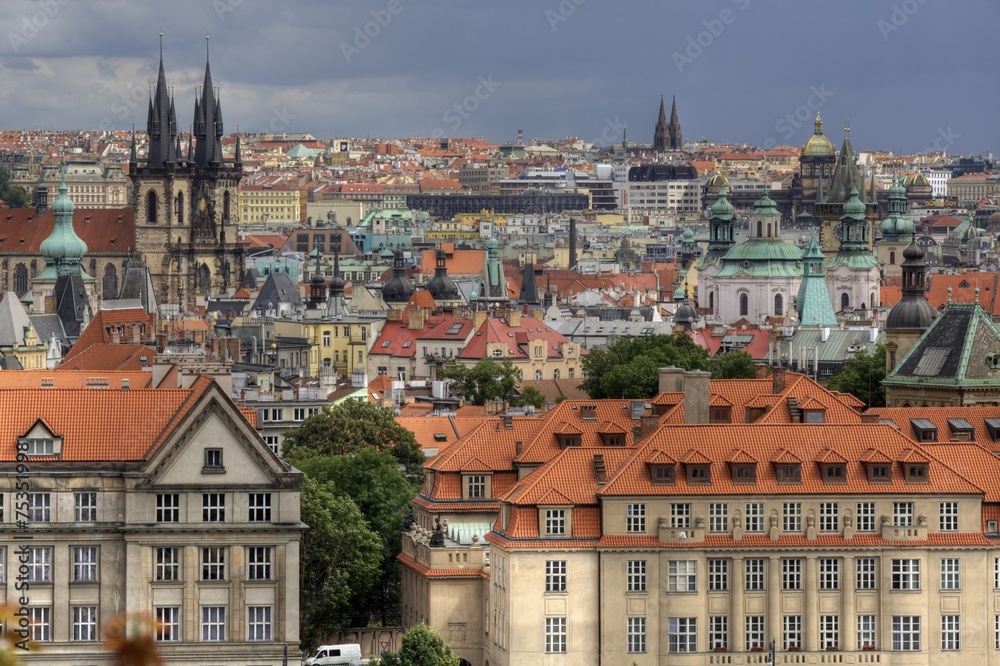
741 71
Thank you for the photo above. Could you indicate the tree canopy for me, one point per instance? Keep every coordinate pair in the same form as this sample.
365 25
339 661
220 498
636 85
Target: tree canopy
489 380
732 365
15 195
862 377
628 367
421 646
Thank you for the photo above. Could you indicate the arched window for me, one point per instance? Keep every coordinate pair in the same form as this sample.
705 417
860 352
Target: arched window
203 280
538 374
744 305
109 286
779 305
892 258
555 374
180 208
20 280
845 301
711 300
151 207
760 227
225 206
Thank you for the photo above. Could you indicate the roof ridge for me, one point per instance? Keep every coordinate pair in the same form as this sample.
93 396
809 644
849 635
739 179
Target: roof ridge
198 389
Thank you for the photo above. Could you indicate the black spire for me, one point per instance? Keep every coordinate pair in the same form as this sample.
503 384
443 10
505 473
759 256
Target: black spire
529 292
208 122
674 128
660 132
161 125
132 158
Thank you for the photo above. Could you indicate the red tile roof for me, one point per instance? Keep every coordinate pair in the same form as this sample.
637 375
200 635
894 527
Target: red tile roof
104 230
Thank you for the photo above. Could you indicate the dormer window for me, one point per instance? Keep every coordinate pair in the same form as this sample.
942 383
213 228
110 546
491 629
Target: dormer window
569 440
40 447
814 416
961 430
788 473
993 427
879 473
924 430
614 439
720 415
744 473
662 474
39 441
834 473
916 473
699 474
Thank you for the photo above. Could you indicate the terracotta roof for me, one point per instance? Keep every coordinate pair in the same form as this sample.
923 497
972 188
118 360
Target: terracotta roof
516 338
104 230
131 325
427 572
458 262
125 357
61 378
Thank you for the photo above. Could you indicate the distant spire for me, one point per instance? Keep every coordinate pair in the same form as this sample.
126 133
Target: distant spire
133 159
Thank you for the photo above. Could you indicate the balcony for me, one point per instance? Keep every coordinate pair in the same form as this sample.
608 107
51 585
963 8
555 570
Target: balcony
917 532
358 339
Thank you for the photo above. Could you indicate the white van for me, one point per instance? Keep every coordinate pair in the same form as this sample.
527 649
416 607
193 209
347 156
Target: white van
337 655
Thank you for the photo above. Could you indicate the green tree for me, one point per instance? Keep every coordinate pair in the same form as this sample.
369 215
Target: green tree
862 377
732 365
15 195
421 646
627 368
339 561
489 380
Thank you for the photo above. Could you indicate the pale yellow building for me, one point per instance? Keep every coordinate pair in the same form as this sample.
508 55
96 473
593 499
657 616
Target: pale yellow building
260 205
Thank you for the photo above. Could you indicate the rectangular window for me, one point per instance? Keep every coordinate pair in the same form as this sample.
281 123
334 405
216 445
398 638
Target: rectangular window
555 522
38 507
718 632
949 573
906 574
791 517
829 516
213 623
636 576
754 517
555 576
829 632
864 568
259 507
213 563
791 632
682 634
829 573
213 507
906 633
85 507
680 516
272 442
996 632
754 575
85 564
168 507
168 623
902 514
755 632
718 575
866 632
718 517
84 623
865 518
258 623
40 621
258 562
682 576
476 484
39 564
791 574
635 518
948 516
635 631
299 414
326 338
168 564
951 638
213 459
555 635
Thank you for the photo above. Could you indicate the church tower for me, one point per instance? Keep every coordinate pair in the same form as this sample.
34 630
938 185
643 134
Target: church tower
853 271
660 131
185 222
674 139
833 194
909 318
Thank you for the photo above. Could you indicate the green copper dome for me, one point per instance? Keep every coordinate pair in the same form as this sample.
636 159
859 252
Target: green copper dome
765 206
722 208
897 226
63 249
818 145
853 207
688 235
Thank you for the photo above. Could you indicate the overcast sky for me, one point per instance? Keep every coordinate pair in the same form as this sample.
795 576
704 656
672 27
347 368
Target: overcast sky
910 75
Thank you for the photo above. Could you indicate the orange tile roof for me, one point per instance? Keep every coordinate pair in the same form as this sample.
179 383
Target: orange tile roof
104 230
125 357
427 572
63 379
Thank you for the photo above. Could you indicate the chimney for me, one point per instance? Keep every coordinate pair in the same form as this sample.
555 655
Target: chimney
870 417
508 421
518 447
394 315
696 396
136 339
416 320
760 371
600 471
478 319
537 314
125 384
777 380
671 380
514 318
115 338
647 425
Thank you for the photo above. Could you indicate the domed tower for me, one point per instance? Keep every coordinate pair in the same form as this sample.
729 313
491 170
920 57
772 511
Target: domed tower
853 273
336 305
685 316
918 189
441 287
317 283
909 318
816 162
896 231
493 283
715 185
721 237
397 291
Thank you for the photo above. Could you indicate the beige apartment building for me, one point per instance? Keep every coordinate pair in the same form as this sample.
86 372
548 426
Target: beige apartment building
261 205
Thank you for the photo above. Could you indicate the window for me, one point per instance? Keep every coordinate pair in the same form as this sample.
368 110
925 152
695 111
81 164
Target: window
829 516
829 573
906 633
699 474
829 632
168 564
555 522
902 514
791 574
680 516
168 507
39 564
555 575
213 507
40 447
635 576
259 507
38 507
213 459
791 517
326 338
754 578
476 485
635 518
951 632
718 575
754 517
272 442
213 623
682 576
865 519
754 632
555 635
866 632
833 473
40 620
948 516
258 562
950 573
865 573
168 623
85 507
996 572
84 623
299 414
258 623
996 632
744 305
213 563
635 632
85 564
682 634
906 574
718 632
718 517
791 632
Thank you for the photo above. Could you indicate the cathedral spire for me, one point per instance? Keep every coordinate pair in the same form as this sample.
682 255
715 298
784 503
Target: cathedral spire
208 121
674 128
158 124
660 131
